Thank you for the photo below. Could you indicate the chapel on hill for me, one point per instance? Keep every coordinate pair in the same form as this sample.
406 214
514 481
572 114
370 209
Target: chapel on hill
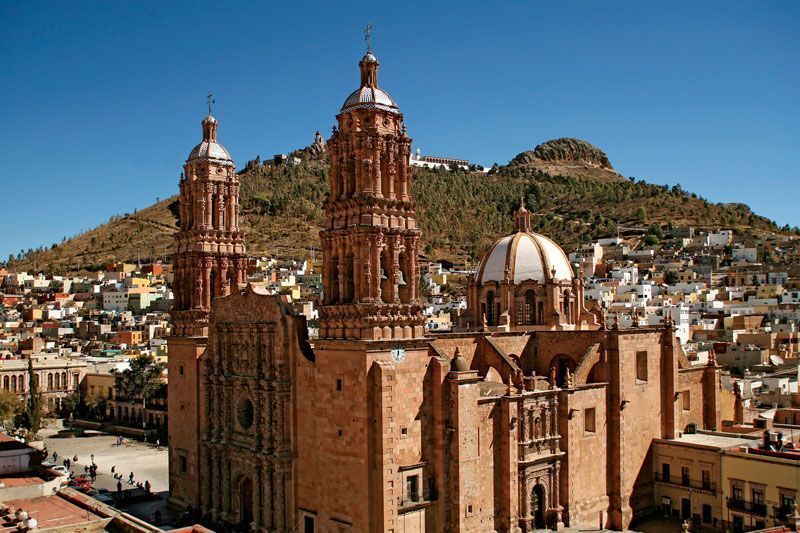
534 415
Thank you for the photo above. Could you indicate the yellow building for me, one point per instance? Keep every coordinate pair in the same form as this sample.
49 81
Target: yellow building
687 472
760 484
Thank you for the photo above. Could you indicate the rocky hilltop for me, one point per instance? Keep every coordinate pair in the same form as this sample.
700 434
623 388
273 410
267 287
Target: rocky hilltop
568 157
569 185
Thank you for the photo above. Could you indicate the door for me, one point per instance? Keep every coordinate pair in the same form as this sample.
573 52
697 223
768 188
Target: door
538 506
246 503
686 509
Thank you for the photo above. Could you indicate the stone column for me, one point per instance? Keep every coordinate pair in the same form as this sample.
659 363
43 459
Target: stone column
376 168
208 262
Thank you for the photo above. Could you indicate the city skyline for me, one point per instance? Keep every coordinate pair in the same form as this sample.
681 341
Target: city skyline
107 102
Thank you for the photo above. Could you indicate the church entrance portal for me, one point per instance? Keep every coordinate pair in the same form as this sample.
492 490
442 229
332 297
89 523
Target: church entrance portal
538 506
245 504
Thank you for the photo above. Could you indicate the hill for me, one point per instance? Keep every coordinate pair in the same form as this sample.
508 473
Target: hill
460 213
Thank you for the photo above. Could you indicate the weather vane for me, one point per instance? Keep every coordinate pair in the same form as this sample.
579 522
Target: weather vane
210 100
367 35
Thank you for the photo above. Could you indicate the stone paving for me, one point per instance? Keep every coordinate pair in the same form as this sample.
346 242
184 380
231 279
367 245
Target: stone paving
147 462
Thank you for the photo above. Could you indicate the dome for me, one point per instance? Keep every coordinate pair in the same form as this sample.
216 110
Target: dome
370 97
210 150
527 256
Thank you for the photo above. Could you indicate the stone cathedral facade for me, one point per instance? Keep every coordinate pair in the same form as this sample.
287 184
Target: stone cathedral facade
535 414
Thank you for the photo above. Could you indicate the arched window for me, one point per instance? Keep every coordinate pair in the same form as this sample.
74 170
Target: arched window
21 382
56 381
565 304
36 379
530 307
5 382
49 381
14 383
491 317
64 384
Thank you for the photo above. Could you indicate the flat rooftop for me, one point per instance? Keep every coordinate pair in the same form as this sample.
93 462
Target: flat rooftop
50 511
713 440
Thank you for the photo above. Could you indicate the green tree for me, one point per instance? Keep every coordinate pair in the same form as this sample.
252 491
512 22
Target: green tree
670 277
641 215
141 381
69 404
10 405
31 418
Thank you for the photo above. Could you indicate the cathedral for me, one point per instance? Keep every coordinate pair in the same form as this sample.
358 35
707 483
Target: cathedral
533 414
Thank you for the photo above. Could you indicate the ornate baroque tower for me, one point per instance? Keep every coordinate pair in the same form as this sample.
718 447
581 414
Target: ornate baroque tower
370 241
210 254
209 258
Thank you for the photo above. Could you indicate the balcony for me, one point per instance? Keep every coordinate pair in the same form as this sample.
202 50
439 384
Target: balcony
783 513
687 483
745 506
410 502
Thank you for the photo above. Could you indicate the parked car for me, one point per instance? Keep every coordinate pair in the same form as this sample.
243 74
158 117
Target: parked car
60 470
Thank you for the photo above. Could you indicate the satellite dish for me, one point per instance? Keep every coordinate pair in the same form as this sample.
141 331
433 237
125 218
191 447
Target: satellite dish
776 360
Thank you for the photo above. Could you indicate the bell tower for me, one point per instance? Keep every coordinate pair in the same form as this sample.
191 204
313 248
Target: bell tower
209 248
370 241
209 260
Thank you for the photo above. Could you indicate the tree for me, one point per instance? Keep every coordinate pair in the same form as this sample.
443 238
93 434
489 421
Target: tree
10 405
70 403
670 277
641 215
31 417
144 377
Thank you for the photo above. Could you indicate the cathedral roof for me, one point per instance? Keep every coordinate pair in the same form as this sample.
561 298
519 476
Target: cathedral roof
369 95
209 148
525 255
366 97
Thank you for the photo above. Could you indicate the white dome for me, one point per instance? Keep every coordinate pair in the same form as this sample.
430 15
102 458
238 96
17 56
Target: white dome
527 256
366 97
210 150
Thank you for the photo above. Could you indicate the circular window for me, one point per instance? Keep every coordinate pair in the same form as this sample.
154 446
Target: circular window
245 413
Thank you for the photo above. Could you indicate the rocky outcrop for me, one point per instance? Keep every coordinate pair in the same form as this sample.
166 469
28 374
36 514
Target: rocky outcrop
565 150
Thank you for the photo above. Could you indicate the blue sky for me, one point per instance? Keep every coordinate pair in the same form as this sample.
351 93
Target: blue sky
102 101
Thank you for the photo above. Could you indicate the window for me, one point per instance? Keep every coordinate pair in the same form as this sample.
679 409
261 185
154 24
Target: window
404 432
687 400
758 496
339 384
707 519
308 524
641 367
685 476
183 464
180 369
412 488
737 492
589 420
529 307
665 474
706 479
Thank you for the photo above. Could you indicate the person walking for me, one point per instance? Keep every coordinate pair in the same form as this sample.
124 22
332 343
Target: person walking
113 469
119 486
55 456
92 458
130 478
147 486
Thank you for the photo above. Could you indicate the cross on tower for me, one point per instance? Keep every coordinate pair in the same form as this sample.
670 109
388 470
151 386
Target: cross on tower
367 35
210 100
